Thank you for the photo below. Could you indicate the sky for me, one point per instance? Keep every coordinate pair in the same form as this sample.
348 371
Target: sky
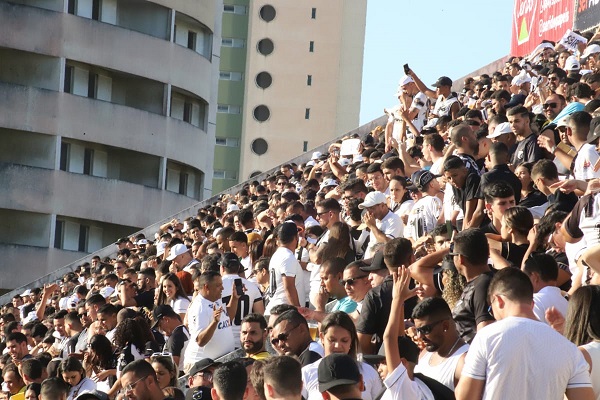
435 37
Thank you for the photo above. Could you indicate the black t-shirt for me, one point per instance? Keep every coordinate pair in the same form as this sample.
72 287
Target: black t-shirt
514 252
145 299
308 357
527 150
502 173
534 199
376 308
469 192
472 307
179 337
563 201
489 228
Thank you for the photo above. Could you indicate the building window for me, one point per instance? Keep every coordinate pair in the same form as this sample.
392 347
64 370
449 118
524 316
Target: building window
229 109
183 183
309 80
314 13
262 113
71 6
311 46
187 112
64 156
96 7
267 13
88 161
192 36
84 233
233 42
68 86
305 146
231 76
264 80
58 234
221 174
92 85
218 174
229 142
307 113
259 146
265 47
235 9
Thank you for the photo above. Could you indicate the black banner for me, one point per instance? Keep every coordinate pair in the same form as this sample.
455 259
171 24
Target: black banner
587 14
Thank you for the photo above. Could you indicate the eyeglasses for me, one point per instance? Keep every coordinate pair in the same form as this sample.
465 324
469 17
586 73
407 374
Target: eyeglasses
321 213
282 337
352 280
550 105
426 329
131 386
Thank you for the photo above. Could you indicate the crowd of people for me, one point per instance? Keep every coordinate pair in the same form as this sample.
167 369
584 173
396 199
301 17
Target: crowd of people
452 253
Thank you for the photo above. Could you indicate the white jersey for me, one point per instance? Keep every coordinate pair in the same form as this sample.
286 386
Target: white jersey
423 217
284 263
519 358
200 315
310 389
391 225
443 106
245 302
420 102
444 372
586 159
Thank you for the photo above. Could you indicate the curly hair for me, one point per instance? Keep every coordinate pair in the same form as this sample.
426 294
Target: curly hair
129 331
453 288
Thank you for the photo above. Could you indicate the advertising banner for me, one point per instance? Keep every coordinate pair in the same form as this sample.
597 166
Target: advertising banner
537 20
587 14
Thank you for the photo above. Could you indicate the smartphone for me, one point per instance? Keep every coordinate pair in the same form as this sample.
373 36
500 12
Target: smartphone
406 69
239 287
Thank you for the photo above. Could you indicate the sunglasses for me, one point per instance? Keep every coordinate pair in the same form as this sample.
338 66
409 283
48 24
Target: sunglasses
426 329
321 213
550 105
282 337
352 280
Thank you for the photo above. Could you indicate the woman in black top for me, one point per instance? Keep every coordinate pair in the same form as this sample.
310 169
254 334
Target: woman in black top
530 197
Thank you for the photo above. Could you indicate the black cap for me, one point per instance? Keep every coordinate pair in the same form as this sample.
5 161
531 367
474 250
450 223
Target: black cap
337 369
422 178
163 310
377 263
443 81
202 365
92 395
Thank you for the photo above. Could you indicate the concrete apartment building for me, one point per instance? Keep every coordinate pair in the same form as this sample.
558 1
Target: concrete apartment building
107 122
290 79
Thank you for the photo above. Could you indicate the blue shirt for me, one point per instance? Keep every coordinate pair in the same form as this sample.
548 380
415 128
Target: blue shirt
346 305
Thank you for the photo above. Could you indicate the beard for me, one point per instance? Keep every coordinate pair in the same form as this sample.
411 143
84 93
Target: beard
251 347
431 347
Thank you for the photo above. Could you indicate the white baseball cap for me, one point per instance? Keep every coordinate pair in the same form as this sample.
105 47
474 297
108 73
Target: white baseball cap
500 130
372 199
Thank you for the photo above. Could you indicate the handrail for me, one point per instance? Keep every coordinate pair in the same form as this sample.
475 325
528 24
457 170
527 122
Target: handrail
150 230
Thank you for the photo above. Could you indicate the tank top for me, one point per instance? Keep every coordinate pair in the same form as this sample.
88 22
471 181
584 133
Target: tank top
444 372
593 350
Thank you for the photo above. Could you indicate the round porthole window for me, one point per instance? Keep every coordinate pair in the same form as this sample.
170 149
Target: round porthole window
259 146
262 113
267 13
264 80
265 46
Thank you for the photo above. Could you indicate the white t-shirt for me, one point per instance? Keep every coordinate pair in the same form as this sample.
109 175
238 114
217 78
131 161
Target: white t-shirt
200 314
85 385
587 156
246 264
443 372
310 389
245 303
520 358
391 225
547 297
180 305
284 262
423 217
436 167
400 387
420 102
450 205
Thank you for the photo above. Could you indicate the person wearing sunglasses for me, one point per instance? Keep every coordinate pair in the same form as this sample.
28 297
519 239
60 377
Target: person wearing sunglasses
291 337
445 350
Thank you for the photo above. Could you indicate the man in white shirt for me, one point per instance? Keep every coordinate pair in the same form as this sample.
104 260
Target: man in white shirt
519 357
424 215
182 258
286 282
542 270
208 320
383 224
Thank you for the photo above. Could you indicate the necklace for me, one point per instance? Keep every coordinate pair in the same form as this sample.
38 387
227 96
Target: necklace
451 349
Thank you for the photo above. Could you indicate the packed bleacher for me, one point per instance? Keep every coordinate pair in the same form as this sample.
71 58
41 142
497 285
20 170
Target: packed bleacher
451 253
